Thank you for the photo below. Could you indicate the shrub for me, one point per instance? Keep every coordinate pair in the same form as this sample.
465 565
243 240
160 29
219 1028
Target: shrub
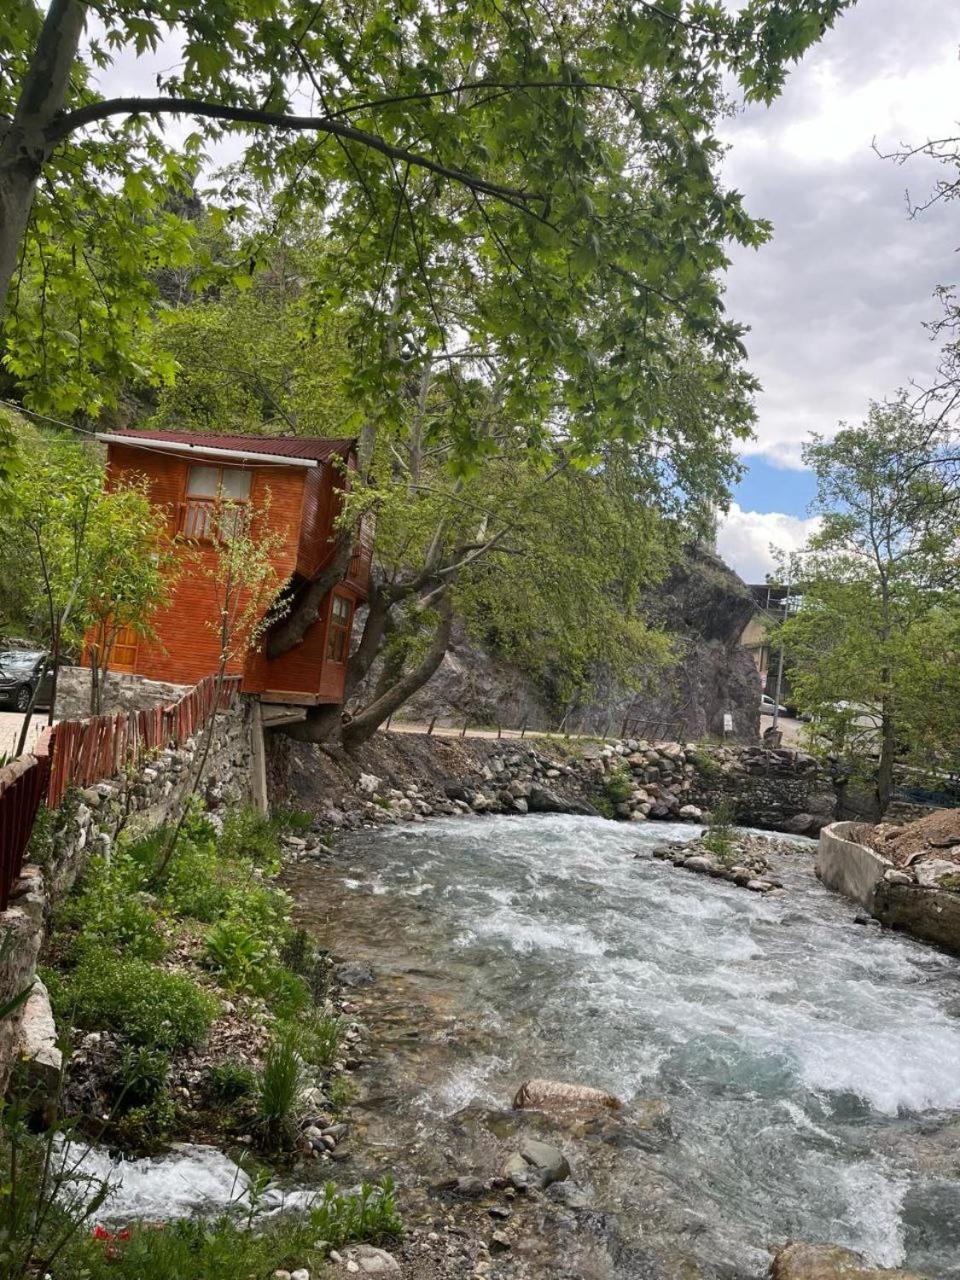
142 1076
312 963
286 993
116 923
230 1081
341 1093
145 1126
249 834
279 1091
370 1214
235 951
146 1004
718 837
618 785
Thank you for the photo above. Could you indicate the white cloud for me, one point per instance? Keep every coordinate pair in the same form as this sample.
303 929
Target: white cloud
837 301
746 539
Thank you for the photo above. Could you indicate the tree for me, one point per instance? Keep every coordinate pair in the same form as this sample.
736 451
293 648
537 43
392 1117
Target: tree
239 566
55 494
562 154
129 571
880 594
942 396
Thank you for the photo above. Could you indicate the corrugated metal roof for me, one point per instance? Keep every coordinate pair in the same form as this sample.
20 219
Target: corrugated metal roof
312 447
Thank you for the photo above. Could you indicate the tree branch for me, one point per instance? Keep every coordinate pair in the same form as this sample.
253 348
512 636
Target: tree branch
66 124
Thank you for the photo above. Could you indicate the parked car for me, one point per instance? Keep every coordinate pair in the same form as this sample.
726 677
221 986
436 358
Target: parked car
19 675
767 706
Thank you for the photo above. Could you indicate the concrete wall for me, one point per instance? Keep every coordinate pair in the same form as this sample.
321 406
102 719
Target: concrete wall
848 866
857 872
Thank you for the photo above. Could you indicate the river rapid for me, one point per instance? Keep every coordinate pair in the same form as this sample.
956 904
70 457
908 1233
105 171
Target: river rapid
786 1073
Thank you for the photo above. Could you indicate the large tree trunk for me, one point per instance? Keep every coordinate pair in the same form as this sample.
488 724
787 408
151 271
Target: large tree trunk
24 146
322 723
366 722
305 608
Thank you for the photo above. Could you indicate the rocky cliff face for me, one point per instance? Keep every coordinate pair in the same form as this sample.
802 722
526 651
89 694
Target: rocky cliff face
702 604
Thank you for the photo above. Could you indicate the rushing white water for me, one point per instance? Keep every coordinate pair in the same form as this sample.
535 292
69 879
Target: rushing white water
189 1179
812 1067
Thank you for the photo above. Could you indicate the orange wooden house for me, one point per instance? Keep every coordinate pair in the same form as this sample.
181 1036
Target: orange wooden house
190 475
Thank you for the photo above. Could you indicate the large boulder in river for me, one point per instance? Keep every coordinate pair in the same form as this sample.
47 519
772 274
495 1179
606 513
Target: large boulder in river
543 800
554 1095
796 1261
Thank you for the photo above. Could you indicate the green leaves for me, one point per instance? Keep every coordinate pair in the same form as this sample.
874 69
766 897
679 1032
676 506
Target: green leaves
505 166
880 604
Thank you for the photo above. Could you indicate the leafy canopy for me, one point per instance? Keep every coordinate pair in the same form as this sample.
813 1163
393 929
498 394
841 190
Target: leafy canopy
879 619
534 187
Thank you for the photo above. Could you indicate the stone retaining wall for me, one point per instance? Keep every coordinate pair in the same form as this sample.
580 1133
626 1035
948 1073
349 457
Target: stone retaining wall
123 692
87 823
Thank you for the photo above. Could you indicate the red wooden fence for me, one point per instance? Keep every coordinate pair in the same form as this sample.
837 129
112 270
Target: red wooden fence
78 753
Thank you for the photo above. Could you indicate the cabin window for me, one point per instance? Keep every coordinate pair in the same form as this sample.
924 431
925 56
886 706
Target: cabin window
209 509
338 633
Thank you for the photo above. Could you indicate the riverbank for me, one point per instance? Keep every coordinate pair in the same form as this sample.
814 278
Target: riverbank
452 981
401 777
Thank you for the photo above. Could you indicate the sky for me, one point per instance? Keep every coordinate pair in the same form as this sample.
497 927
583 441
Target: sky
836 302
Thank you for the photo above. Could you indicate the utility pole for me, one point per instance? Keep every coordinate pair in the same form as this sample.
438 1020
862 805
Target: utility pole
786 610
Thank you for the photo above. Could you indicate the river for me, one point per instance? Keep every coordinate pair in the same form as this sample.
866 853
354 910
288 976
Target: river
786 1073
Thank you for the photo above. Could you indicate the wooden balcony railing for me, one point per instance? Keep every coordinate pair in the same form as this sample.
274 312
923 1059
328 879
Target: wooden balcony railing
210 519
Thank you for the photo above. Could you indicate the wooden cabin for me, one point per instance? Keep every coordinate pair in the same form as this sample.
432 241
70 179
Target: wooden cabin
189 475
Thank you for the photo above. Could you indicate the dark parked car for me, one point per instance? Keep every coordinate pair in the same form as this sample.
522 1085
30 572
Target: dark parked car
19 674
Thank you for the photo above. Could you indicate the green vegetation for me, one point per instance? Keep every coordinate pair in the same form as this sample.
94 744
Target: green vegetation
278 1091
145 949
231 1081
138 1000
618 784
718 836
872 640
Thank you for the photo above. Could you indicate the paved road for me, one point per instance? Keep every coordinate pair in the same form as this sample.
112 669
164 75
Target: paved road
789 727
10 722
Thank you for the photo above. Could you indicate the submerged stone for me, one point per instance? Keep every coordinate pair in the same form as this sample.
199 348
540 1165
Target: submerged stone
798 1261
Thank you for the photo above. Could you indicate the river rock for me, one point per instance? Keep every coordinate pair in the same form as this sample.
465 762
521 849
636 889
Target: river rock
546 1159
547 1095
797 1261
375 1262
700 862
799 823
930 873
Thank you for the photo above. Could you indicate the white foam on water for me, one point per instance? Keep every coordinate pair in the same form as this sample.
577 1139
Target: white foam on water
191 1179
874 1199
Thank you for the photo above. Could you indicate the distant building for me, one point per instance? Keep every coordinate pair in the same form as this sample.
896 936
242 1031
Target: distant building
190 476
769 610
